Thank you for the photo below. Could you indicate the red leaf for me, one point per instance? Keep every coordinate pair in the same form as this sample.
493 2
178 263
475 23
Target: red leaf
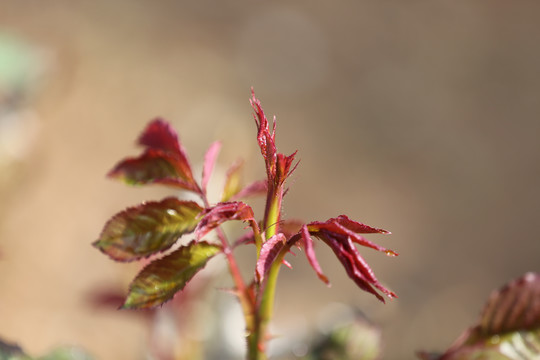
283 168
270 250
355 265
278 166
209 163
154 167
310 254
148 228
160 135
516 306
344 226
265 138
358 227
162 278
509 327
164 161
222 212
340 234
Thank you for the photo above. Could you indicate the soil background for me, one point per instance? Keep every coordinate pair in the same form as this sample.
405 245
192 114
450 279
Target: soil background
420 117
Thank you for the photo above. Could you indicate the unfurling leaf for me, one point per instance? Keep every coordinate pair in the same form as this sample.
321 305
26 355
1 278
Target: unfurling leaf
509 328
310 254
149 228
278 166
270 250
164 161
340 234
222 212
209 163
162 278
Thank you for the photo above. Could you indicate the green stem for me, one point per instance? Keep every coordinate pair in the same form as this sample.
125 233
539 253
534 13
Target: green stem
257 338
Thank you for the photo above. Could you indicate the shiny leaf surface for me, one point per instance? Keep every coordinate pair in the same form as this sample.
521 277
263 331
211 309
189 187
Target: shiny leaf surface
162 278
154 167
148 228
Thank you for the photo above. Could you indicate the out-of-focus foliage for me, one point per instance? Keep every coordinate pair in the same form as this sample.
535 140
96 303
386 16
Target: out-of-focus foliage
355 340
14 352
509 328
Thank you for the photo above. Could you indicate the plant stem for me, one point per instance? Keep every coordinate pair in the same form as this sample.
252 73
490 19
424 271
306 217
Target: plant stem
245 296
257 339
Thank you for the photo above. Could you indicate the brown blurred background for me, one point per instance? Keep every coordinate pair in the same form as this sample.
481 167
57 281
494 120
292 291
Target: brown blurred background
420 117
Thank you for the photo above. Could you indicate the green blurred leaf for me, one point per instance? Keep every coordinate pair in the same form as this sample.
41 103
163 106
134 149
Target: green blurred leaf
66 353
148 228
355 340
14 352
162 278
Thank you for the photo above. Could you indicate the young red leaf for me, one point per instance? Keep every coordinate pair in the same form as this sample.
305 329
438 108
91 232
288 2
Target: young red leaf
355 265
270 250
278 166
160 135
164 160
346 227
155 167
148 228
209 163
310 254
222 212
340 234
265 138
162 278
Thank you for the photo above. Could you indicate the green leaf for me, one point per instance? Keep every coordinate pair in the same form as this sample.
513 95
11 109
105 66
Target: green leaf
162 278
148 228
66 353
348 339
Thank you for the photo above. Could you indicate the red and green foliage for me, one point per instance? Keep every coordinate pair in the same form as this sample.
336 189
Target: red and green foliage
508 329
154 227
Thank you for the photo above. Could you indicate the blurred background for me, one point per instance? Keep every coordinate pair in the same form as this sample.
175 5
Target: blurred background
418 117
